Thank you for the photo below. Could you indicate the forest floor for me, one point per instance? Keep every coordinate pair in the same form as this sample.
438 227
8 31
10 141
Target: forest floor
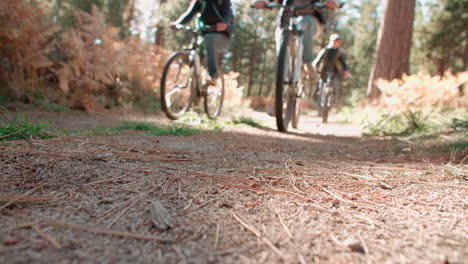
319 194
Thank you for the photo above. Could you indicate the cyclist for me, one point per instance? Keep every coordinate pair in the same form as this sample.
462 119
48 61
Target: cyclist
312 20
331 59
216 14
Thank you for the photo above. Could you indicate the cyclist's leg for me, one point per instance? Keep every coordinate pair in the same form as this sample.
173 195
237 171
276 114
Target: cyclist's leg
309 27
320 86
335 82
216 44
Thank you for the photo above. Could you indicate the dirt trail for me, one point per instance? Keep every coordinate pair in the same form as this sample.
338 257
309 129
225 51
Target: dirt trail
321 194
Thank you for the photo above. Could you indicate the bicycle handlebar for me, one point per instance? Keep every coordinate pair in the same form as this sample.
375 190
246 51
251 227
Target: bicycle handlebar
194 30
296 7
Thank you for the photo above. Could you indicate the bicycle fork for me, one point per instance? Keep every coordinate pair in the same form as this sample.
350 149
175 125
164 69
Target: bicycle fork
297 50
195 72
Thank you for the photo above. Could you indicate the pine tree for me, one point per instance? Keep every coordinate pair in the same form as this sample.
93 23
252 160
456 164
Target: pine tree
394 44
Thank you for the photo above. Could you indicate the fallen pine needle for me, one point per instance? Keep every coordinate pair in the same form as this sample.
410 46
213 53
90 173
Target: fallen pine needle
32 198
215 246
28 192
113 179
284 225
96 230
259 235
47 237
19 226
135 199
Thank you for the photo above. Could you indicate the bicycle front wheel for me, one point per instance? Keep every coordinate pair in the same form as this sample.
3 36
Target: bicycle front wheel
284 98
296 113
177 85
214 98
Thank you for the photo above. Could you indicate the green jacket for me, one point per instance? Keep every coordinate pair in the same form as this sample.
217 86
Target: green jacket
330 60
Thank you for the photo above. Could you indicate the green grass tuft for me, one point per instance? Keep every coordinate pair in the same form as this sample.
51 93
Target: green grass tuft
201 122
159 130
246 121
22 129
141 126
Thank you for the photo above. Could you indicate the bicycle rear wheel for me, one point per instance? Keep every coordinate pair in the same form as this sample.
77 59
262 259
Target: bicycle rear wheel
214 98
177 85
284 98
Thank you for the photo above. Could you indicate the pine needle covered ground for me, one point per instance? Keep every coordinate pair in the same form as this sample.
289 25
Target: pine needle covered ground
248 194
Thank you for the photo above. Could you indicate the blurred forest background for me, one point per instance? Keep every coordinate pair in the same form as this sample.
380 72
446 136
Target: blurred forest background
96 54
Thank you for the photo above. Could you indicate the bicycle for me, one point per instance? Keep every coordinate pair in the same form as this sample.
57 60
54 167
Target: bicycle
325 95
181 80
290 76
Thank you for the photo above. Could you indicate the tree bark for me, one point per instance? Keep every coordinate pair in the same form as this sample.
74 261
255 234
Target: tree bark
262 79
253 59
159 36
393 44
129 11
441 67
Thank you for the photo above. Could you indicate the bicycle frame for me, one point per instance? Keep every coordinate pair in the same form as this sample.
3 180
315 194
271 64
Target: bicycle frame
196 52
296 48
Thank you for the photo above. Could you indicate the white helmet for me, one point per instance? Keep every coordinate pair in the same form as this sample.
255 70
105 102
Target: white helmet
334 37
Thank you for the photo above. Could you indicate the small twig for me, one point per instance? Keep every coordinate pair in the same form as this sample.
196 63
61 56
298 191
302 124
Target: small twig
259 235
13 133
19 226
47 237
356 176
20 151
455 168
30 191
463 160
124 211
136 200
292 180
33 198
129 201
367 219
113 179
391 168
461 199
364 245
185 212
453 224
62 224
284 225
215 246
336 196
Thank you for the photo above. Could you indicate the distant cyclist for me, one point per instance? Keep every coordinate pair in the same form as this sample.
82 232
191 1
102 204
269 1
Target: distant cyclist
313 22
218 15
331 60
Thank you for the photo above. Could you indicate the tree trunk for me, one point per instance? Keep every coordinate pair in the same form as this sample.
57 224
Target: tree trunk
253 58
393 44
465 56
262 79
441 67
159 36
129 11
